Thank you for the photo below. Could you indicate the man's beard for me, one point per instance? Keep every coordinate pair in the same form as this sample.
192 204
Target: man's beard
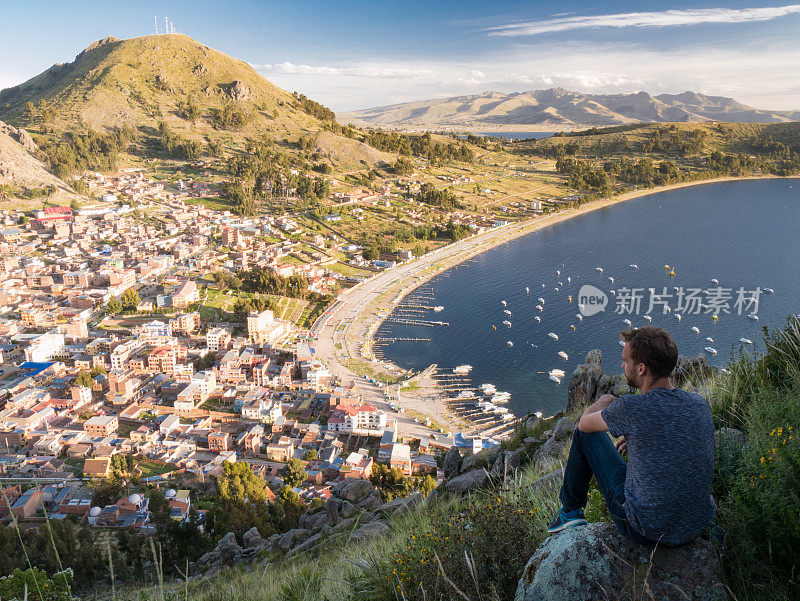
631 383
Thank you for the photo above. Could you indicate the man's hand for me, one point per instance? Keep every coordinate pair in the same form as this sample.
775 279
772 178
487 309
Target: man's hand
622 446
591 420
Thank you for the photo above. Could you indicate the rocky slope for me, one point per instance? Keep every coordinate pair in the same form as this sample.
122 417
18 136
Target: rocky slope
561 109
21 169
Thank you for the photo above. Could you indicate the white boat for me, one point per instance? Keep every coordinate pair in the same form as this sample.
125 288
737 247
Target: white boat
503 303
555 379
541 300
709 339
555 288
695 329
537 318
579 316
506 311
648 318
438 309
527 290
561 284
501 397
501 410
539 308
745 340
600 269
569 279
714 281
506 323
711 350
558 272
622 343
563 355
769 290
488 388
509 343
634 266
627 322
465 394
559 373
508 417
462 369
611 279
678 316
753 316
553 335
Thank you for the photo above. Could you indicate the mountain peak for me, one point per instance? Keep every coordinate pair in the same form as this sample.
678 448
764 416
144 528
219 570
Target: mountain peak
558 108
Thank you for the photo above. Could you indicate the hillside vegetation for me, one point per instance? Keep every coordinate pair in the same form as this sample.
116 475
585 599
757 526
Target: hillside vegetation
474 547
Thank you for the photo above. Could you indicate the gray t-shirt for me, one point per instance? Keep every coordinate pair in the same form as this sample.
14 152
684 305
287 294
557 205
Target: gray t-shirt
670 439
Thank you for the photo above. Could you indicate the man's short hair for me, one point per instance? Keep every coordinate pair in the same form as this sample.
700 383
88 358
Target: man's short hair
654 347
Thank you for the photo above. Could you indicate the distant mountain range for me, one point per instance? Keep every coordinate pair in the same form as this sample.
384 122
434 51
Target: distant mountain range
557 108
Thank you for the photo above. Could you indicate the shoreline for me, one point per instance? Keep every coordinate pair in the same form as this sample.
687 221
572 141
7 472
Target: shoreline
360 311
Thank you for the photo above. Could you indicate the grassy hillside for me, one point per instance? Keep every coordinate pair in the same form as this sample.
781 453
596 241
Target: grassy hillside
143 80
424 555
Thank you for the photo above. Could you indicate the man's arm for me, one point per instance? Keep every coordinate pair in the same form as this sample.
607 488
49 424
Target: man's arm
591 420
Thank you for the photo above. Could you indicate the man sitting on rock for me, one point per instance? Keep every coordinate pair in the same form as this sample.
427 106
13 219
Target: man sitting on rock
663 494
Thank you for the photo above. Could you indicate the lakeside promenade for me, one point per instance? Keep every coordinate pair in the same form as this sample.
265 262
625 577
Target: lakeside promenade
343 329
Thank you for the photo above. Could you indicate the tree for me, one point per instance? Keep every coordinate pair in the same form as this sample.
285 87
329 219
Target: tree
105 491
30 113
238 482
130 299
114 306
294 473
84 379
310 455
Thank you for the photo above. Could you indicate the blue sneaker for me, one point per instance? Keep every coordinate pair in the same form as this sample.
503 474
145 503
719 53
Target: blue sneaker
566 519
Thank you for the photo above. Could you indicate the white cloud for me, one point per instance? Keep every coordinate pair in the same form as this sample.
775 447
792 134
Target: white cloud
366 70
760 75
666 18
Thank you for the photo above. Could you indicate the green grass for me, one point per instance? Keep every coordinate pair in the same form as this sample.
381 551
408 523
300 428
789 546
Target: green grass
150 468
214 203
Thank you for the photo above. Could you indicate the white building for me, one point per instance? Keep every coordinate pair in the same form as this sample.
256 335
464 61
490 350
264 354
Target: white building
263 328
218 339
43 347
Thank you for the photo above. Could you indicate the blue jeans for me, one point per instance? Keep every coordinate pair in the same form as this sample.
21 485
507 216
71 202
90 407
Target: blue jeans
595 454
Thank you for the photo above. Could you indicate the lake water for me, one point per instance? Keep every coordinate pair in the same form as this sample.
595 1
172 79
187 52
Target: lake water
745 234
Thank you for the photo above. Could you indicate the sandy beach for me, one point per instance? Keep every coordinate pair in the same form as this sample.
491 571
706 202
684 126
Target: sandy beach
345 331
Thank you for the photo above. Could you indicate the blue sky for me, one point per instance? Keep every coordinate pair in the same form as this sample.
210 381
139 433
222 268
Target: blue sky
351 55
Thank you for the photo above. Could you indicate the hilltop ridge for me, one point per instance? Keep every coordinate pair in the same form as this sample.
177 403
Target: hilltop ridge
142 80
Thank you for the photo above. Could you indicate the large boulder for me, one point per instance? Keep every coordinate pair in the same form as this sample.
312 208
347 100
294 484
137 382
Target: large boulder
483 459
292 538
399 504
251 538
596 561
506 465
584 380
690 368
548 456
228 548
370 530
550 482
729 438
354 489
465 482
314 521
452 462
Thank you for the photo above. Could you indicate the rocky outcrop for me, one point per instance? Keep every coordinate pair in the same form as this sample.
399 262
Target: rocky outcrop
354 511
596 561
464 483
452 462
690 368
584 381
548 456
238 90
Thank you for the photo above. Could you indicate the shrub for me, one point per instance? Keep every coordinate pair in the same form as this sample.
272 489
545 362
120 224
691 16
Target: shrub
479 549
